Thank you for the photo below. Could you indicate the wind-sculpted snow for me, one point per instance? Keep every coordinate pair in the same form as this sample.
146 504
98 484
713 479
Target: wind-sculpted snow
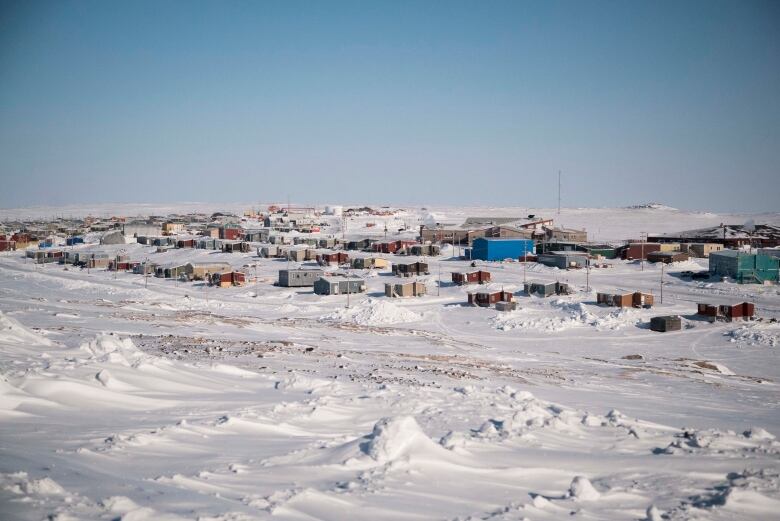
184 401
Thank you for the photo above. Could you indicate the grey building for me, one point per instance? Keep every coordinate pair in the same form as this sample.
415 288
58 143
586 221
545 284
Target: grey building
563 260
138 228
339 285
298 278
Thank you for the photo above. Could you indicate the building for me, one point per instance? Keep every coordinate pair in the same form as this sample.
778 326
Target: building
625 300
299 278
230 232
141 228
172 228
170 271
202 270
229 246
700 249
497 249
487 298
339 285
335 258
470 277
410 269
503 305
744 267
565 234
666 323
639 250
546 289
421 250
729 235
296 254
405 289
226 279
563 259
741 311
667 257
365 263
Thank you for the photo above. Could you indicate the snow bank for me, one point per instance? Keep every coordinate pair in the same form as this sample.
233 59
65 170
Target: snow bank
582 489
373 312
756 334
12 332
393 438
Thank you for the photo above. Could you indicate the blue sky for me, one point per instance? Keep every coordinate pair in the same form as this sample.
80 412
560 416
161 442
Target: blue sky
398 102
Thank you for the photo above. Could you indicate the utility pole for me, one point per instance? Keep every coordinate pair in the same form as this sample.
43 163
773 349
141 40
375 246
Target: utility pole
587 275
643 238
146 273
438 288
662 282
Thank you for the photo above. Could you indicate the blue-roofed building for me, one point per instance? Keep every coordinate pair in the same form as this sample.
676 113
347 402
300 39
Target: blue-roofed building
495 249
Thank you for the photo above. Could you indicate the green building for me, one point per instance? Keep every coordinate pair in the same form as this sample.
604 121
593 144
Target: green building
745 268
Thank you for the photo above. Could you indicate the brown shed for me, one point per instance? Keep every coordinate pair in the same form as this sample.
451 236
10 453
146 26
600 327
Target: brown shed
470 277
487 298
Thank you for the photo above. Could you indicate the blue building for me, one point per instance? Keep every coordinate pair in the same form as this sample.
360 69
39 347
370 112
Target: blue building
493 249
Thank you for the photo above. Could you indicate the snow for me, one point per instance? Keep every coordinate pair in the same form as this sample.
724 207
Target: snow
183 401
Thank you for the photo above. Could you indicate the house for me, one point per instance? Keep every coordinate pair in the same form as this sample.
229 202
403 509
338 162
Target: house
365 263
170 271
185 243
361 244
701 250
339 285
296 254
73 241
7 244
546 289
421 250
743 311
496 249
230 232
563 259
625 300
639 250
409 269
208 243
226 279
565 234
44 256
744 267
202 270
269 251
667 257
405 289
487 298
140 228
298 278
98 260
335 258
470 277
666 323
144 268
391 246
229 246
172 228
254 236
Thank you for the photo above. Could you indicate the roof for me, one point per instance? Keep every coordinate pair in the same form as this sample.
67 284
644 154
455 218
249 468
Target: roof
502 239
732 231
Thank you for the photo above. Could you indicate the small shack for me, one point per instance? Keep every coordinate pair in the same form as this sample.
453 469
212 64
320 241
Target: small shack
741 311
299 278
470 277
503 305
410 269
365 263
201 270
546 289
563 259
226 279
488 298
339 285
405 289
666 323
335 258
625 300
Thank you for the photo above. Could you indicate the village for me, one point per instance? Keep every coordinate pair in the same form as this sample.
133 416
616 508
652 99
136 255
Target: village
321 251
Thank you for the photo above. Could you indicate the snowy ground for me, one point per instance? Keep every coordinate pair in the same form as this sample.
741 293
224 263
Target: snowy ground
180 401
